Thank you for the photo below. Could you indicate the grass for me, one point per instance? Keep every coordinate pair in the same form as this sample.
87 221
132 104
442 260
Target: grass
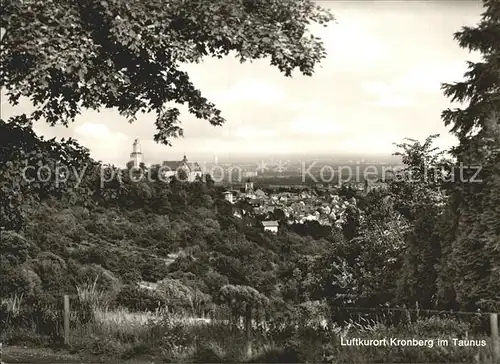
12 304
116 332
17 354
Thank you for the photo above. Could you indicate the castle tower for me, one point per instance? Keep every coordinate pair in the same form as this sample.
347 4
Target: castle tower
136 154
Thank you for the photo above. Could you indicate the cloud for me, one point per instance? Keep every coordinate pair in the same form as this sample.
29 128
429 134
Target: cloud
392 101
386 95
311 126
429 78
106 145
249 90
375 143
380 44
350 43
416 81
99 131
250 133
306 105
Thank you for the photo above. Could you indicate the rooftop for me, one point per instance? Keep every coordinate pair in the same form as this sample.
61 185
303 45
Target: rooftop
270 223
174 165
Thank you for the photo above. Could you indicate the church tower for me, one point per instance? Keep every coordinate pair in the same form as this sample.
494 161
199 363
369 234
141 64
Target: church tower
136 154
366 187
248 186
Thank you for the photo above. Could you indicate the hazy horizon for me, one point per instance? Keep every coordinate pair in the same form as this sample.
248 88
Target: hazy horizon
379 84
255 159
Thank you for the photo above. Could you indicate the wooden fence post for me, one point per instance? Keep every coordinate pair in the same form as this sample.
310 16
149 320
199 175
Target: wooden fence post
408 314
66 319
494 338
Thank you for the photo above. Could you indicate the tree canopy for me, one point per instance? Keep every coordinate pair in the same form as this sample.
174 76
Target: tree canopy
480 89
67 56
475 248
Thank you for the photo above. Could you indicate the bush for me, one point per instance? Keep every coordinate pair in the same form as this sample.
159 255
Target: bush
139 299
439 327
153 270
17 280
38 316
138 350
14 248
276 355
423 329
100 345
208 354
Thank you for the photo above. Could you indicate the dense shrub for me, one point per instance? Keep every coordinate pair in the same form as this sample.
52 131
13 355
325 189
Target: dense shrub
139 299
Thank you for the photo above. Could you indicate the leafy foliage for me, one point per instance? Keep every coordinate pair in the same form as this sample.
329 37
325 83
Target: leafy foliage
422 239
32 169
68 56
480 89
475 248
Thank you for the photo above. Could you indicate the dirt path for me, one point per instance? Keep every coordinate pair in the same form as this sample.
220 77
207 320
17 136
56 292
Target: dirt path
25 355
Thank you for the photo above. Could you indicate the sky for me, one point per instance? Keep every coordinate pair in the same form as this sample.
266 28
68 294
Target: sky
379 84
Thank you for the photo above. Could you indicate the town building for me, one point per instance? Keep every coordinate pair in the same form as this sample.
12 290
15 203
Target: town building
249 174
228 196
185 170
248 186
260 194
